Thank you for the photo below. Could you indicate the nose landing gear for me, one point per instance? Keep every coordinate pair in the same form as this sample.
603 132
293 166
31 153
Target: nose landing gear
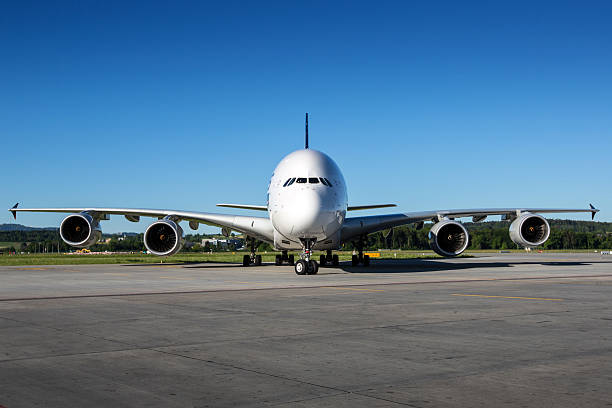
307 266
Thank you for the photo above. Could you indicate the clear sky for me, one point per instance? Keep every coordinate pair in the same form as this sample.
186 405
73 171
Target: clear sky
183 105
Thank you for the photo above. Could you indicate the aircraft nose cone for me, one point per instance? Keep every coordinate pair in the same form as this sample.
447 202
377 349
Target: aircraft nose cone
304 214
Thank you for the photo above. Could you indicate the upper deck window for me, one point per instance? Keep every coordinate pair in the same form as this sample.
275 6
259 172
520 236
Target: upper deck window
301 180
313 180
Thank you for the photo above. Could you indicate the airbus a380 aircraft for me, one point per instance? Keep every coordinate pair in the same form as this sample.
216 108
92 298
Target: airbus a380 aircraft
307 207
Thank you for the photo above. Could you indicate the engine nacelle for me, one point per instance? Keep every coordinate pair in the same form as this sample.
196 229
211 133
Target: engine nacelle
448 238
80 230
164 238
529 230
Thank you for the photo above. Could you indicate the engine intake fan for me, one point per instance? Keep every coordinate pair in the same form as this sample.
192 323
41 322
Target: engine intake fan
80 230
164 238
448 238
529 230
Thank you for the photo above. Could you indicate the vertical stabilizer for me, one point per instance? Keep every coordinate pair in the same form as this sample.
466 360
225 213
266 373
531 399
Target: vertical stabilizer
306 145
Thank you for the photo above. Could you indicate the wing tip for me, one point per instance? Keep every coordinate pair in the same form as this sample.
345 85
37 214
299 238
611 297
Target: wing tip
13 210
593 211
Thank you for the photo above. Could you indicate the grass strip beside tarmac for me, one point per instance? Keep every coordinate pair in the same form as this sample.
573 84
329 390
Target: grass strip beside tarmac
185 257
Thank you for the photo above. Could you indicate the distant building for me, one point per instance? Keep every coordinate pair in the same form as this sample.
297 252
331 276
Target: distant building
223 243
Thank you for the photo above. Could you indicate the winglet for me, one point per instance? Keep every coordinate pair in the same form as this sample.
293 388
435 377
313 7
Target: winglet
12 210
593 211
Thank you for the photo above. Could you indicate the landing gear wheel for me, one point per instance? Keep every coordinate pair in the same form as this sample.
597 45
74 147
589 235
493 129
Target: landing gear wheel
355 260
257 260
313 267
366 260
335 260
278 260
301 267
322 260
246 260
291 260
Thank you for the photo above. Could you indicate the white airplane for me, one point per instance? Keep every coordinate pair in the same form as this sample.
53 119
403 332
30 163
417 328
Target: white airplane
307 206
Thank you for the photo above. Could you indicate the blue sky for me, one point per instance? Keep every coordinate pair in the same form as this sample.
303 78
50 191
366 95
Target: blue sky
188 104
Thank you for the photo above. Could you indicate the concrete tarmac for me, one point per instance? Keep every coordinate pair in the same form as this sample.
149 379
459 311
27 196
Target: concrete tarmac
498 330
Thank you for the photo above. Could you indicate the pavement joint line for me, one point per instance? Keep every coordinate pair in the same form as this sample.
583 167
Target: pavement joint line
186 292
280 377
504 297
319 333
347 288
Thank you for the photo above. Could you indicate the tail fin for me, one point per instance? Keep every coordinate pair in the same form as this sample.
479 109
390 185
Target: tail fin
306 146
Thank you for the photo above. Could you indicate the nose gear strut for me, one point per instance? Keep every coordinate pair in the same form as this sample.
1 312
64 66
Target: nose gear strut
305 265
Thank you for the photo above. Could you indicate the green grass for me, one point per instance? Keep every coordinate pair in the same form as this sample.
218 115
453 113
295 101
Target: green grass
221 257
4 244
224 257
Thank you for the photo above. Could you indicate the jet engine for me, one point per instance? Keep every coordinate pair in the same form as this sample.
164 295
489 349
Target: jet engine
448 238
80 230
164 238
529 230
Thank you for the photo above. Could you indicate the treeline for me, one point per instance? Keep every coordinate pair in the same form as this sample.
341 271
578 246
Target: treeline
565 234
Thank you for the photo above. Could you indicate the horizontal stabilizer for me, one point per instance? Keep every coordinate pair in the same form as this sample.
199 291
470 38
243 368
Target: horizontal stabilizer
245 206
369 207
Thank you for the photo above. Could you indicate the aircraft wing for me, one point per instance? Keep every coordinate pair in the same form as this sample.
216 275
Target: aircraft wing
258 227
356 226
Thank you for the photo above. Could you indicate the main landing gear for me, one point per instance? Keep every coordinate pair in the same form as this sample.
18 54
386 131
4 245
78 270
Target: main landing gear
252 259
360 258
305 265
280 259
329 259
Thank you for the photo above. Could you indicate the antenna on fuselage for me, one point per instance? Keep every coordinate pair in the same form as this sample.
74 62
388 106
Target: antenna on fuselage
306 146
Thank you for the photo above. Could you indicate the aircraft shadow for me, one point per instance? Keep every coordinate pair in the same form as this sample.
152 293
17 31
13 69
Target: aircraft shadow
424 265
381 266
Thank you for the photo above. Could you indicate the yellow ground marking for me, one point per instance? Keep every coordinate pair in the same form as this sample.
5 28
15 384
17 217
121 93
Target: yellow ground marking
358 289
506 297
372 254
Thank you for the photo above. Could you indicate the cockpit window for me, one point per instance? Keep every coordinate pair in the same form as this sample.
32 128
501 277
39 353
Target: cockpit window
301 180
313 180
328 183
289 182
323 181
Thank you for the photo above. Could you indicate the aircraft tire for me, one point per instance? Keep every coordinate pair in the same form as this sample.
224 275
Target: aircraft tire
246 260
322 260
335 260
257 260
313 267
355 260
278 261
301 267
291 260
366 260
